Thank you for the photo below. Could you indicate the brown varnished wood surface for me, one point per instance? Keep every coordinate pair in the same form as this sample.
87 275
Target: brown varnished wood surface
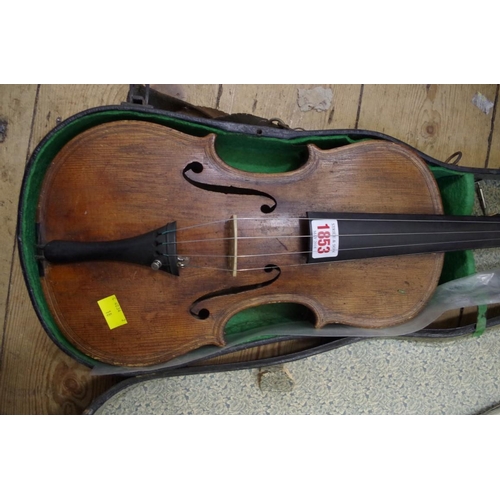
95 190
35 376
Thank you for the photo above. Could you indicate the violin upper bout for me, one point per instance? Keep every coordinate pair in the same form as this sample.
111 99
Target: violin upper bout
374 176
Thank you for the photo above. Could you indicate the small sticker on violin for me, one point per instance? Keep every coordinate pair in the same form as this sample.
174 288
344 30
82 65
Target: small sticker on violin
112 312
324 238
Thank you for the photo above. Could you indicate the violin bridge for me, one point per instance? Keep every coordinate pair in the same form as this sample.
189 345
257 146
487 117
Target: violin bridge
233 245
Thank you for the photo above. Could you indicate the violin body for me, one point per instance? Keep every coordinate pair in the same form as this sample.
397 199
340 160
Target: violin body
123 179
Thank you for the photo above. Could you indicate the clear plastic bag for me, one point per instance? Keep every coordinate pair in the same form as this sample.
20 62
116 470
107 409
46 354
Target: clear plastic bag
474 290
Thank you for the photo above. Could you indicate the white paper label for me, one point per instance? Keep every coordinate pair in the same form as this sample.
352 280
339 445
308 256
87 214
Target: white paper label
325 238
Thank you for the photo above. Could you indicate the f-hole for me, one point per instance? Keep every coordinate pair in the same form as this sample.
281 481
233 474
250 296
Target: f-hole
205 313
196 167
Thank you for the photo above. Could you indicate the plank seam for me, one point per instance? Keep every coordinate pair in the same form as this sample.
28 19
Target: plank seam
490 137
219 95
7 301
358 112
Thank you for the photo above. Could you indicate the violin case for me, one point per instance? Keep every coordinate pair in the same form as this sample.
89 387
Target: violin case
255 144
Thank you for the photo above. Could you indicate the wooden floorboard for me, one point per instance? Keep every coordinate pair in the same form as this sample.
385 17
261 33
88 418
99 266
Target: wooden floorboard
16 111
199 95
35 376
437 119
58 102
290 103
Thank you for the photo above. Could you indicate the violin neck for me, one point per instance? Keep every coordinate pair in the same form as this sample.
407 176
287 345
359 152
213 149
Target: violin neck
360 236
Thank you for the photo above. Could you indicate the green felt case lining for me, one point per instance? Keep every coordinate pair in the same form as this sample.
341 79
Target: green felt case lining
245 152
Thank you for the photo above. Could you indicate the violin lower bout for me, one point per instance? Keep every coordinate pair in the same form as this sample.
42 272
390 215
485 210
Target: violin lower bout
161 324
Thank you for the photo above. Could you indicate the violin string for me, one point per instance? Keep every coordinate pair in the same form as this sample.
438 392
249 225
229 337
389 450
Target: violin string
279 236
299 252
239 218
194 226
338 219
226 269
316 263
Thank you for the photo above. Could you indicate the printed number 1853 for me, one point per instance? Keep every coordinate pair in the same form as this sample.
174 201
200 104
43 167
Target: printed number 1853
324 241
325 238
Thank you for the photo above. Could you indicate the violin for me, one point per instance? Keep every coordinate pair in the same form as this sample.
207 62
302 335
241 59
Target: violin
154 221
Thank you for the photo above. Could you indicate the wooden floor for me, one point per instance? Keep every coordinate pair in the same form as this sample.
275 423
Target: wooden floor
37 378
